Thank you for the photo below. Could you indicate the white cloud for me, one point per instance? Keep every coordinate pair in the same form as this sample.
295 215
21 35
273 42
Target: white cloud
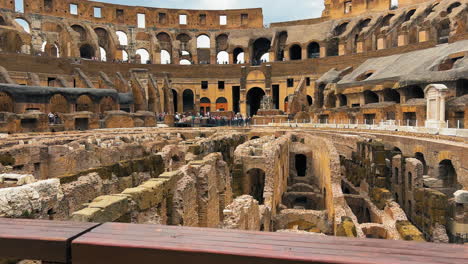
273 10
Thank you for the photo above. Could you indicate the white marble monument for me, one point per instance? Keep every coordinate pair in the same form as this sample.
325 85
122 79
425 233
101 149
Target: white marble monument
435 114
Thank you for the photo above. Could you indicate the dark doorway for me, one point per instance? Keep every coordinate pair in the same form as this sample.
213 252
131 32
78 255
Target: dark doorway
188 100
81 124
235 99
87 52
257 184
260 47
419 156
276 99
313 50
295 52
174 100
301 165
254 97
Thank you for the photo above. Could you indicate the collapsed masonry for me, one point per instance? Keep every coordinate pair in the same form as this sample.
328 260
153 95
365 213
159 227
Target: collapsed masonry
289 181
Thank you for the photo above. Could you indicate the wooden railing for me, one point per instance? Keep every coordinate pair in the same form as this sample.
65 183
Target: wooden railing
117 243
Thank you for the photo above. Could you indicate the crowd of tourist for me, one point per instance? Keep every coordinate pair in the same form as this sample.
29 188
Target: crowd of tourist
207 119
54 118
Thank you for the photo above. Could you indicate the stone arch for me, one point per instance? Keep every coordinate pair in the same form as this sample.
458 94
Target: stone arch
6 103
188 100
184 40
81 31
205 105
443 31
391 95
107 103
254 97
11 41
414 92
386 20
260 47
222 43
295 52
453 6
222 57
203 49
142 56
59 104
24 24
239 55
420 156
166 57
51 49
409 14
221 104
122 37
343 100
87 51
203 41
84 103
313 50
447 173
256 184
185 62
340 29
370 97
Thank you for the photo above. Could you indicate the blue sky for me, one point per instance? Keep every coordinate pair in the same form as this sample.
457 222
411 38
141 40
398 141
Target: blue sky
273 10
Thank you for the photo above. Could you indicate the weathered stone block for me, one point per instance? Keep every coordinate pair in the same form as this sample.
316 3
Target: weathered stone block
87 215
113 207
461 197
409 231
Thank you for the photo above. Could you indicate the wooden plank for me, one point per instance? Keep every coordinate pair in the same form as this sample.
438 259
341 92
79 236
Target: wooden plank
123 243
39 240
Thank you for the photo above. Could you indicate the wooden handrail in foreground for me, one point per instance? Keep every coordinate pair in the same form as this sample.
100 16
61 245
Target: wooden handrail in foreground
118 243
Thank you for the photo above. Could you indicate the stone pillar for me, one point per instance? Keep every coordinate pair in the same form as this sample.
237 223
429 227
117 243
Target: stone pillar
323 51
435 112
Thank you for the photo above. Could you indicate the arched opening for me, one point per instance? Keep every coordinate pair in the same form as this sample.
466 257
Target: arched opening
164 41
310 101
420 156
443 31
175 99
239 55
370 97
340 29
188 100
2 21
254 97
281 45
222 42
50 49
256 180
453 6
205 105
165 57
185 62
364 23
343 100
103 53
203 42
332 47
414 92
447 173
286 103
184 40
59 104
222 57
295 52
143 56
81 31
313 50
6 103
391 95
203 49
409 14
221 104
24 24
103 41
107 104
122 36
84 103
301 165
261 47
87 52
386 20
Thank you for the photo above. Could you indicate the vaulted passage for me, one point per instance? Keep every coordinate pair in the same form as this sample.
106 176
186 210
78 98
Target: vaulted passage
188 99
254 97
87 52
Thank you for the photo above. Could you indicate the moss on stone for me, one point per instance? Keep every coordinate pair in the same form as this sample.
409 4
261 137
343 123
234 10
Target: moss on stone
408 231
346 228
